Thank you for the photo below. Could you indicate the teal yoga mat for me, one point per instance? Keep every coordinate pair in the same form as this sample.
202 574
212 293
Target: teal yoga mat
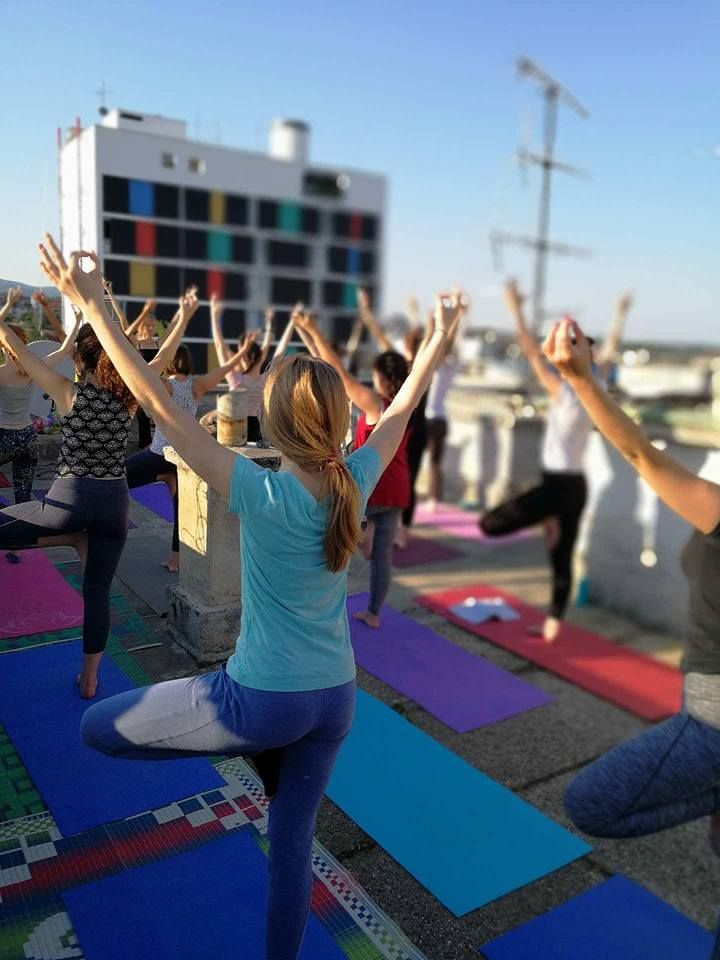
466 838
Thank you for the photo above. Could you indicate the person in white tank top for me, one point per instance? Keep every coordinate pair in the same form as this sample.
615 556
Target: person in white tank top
558 501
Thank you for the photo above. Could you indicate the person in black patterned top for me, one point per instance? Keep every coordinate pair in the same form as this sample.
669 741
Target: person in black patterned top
88 502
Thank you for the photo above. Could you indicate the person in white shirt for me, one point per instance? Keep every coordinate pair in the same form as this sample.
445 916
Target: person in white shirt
559 499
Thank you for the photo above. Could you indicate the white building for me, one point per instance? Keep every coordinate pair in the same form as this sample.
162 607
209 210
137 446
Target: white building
165 212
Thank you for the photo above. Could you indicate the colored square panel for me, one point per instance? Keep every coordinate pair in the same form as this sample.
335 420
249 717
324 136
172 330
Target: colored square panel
118 273
116 195
235 286
119 236
310 220
197 205
355 229
142 198
168 281
236 209
145 239
333 293
267 214
197 278
243 249
142 279
219 246
289 217
196 244
216 283
217 207
353 261
349 296
167 241
370 227
167 201
280 253
289 290
341 225
233 322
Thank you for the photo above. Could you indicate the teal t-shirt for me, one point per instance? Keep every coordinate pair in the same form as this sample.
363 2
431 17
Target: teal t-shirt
294 633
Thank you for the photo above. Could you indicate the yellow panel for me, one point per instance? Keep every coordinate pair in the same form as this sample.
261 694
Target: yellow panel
212 357
142 279
217 207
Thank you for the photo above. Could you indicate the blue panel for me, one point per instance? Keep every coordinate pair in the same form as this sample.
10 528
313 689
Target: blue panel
353 261
142 198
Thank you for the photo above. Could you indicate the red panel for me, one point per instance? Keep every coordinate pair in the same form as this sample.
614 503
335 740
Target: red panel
216 283
144 239
356 226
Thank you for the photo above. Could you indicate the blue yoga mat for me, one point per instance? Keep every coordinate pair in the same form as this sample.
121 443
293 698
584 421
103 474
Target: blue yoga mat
617 920
205 904
41 709
156 497
462 835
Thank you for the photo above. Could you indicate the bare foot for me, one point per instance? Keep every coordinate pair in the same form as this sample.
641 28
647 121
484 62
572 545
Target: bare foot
552 532
714 834
87 686
551 629
369 619
431 505
401 538
173 563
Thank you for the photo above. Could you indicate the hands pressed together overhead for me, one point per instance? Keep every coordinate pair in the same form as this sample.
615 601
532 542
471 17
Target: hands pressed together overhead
568 350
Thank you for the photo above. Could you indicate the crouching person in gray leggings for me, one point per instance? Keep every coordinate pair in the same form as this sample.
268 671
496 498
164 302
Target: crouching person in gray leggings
87 504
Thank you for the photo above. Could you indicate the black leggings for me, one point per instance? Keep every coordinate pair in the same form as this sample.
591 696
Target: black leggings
145 467
417 441
98 506
561 495
144 431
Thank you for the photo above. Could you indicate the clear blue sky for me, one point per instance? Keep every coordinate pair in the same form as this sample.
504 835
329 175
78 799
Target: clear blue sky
426 93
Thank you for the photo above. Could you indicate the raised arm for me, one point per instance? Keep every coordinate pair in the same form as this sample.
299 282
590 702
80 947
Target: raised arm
283 342
307 339
50 315
68 345
117 310
608 352
207 381
58 387
354 340
368 317
204 454
549 380
221 348
187 308
147 309
692 498
363 397
267 336
392 425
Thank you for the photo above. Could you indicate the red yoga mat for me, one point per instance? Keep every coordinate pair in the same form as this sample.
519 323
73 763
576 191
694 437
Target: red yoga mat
631 680
35 598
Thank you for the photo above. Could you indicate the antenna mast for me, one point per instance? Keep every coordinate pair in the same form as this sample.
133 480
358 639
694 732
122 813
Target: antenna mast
553 93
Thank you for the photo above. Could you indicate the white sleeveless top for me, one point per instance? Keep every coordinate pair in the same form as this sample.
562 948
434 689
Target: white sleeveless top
182 397
567 433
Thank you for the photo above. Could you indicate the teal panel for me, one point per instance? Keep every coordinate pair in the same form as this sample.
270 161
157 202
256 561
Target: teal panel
219 247
289 217
349 297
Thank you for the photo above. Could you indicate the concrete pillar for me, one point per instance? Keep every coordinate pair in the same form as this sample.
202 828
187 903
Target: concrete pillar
205 604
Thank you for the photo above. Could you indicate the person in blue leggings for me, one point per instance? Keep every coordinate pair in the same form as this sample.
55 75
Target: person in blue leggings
288 691
671 773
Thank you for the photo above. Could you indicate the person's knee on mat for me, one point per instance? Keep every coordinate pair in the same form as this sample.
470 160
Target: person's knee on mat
490 525
581 805
98 733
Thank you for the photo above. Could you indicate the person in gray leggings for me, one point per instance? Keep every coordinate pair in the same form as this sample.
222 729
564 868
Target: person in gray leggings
670 774
87 504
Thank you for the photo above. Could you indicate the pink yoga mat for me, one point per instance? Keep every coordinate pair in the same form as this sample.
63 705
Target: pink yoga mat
459 523
631 680
35 598
419 551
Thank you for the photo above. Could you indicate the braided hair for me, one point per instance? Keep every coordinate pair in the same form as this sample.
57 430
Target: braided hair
393 367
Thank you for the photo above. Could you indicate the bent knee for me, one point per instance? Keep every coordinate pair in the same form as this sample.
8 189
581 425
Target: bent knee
589 811
490 525
96 732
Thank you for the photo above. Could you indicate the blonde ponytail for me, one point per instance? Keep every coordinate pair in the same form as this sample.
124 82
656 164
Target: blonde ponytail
306 416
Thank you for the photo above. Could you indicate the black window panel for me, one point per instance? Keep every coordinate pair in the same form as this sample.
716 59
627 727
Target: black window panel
340 329
332 294
369 228
116 194
310 220
168 281
341 225
196 244
121 236
165 311
167 241
118 273
167 201
196 278
199 326
243 250
280 321
236 209
233 323
367 262
321 184
267 214
235 286
197 205
283 254
287 290
337 259
199 354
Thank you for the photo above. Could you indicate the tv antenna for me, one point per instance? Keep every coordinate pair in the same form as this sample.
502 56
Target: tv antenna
553 93
102 92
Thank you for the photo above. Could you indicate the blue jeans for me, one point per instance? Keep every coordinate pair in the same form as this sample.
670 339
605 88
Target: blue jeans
212 714
386 521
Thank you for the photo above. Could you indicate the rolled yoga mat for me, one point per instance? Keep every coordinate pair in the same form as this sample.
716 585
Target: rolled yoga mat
41 709
393 780
618 674
460 689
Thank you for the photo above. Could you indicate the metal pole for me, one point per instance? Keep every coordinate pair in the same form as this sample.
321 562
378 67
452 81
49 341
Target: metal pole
543 234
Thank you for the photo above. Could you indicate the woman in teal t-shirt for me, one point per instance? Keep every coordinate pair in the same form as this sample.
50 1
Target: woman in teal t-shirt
289 688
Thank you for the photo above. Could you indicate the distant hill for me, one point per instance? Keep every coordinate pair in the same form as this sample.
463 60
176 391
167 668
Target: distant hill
26 288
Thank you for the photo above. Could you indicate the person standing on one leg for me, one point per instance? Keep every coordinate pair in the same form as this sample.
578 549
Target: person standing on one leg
290 686
559 499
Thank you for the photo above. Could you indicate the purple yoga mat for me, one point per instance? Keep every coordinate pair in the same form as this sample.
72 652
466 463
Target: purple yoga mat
461 690
156 497
459 523
420 550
